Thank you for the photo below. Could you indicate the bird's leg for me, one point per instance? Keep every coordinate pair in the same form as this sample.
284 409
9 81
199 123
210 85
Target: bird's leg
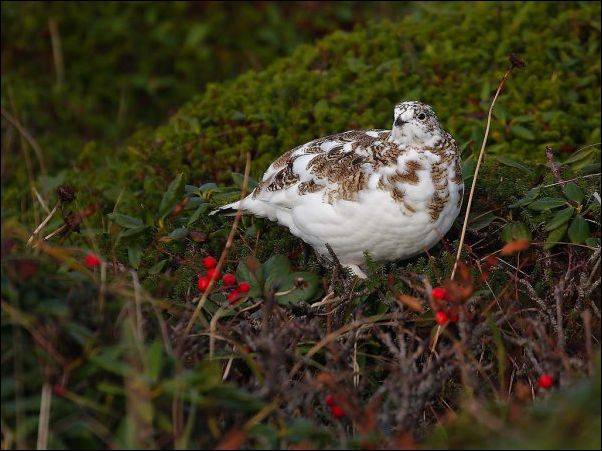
335 264
323 260
349 272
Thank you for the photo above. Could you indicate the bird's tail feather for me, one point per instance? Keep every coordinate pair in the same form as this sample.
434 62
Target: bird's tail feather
227 210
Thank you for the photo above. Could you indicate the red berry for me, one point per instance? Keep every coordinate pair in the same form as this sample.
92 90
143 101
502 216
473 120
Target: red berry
441 318
337 411
454 317
439 293
209 262
92 261
229 279
546 381
58 390
233 296
329 400
212 273
244 287
203 283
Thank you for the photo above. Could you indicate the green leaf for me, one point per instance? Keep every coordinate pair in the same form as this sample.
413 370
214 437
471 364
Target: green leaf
304 285
207 187
468 168
239 179
111 359
481 221
132 232
555 236
573 192
561 217
587 153
170 197
547 203
512 163
197 214
157 267
178 234
499 345
530 197
522 132
194 202
514 231
276 271
593 242
155 359
134 255
129 222
584 158
579 230
289 287
590 168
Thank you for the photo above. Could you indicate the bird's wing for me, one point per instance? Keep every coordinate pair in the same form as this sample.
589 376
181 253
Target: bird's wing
334 165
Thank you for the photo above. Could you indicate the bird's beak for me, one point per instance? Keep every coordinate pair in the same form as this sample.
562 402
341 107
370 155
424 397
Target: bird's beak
398 122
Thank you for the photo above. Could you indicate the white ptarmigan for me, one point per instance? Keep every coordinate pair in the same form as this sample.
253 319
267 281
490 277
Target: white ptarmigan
389 193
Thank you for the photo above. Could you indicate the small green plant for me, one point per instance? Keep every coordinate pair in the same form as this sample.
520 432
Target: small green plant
275 278
564 205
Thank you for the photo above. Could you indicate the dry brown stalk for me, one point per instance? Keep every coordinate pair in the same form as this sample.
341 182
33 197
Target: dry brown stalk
515 62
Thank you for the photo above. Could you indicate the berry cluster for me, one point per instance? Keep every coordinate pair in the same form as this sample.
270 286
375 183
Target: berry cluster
446 312
336 410
238 290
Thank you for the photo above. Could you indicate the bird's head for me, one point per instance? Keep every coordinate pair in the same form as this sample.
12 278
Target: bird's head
415 123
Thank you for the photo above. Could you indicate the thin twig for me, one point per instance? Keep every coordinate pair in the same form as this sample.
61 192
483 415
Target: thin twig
138 305
356 367
57 53
44 418
587 332
40 199
212 328
572 180
103 287
43 223
336 334
478 166
56 232
32 142
227 370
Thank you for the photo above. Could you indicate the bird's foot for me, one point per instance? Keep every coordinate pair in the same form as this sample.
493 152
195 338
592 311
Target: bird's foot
356 271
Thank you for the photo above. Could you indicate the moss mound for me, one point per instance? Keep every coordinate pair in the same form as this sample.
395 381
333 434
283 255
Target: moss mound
450 56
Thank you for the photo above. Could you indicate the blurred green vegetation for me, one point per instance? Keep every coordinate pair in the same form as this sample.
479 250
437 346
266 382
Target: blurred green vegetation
72 72
568 419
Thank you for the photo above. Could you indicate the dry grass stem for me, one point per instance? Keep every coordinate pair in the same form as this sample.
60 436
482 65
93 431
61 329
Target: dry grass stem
478 166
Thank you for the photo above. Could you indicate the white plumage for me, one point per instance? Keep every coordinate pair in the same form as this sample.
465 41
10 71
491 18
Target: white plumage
389 193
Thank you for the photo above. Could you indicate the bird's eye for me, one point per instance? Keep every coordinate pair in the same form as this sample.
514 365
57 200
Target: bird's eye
422 116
